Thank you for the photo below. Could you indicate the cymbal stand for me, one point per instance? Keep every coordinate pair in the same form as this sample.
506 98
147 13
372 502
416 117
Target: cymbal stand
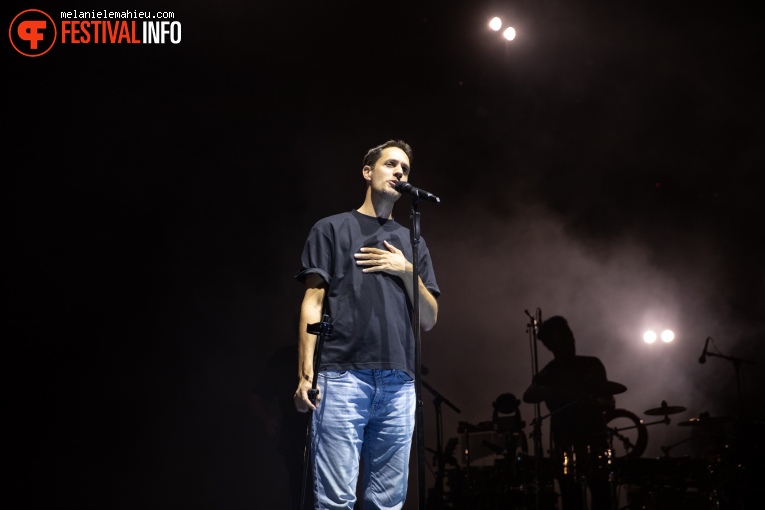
436 496
614 432
665 449
664 420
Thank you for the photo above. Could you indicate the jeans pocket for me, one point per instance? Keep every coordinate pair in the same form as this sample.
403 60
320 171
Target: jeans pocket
333 374
402 376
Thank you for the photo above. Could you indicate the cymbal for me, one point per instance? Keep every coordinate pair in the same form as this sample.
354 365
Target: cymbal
572 389
614 388
664 410
705 420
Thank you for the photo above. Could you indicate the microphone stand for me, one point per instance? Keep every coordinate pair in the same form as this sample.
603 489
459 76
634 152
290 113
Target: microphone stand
419 419
537 422
322 329
739 382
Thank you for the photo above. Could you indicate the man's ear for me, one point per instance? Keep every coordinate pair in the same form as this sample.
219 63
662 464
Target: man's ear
367 172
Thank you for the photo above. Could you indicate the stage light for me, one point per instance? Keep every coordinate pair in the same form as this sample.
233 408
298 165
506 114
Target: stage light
495 23
667 336
509 33
649 337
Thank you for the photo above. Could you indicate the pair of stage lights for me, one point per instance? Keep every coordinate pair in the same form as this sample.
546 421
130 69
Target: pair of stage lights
666 336
496 24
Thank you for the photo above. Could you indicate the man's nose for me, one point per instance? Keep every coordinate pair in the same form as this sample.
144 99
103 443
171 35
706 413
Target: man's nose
399 173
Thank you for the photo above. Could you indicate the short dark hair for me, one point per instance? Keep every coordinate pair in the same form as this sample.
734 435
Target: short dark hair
374 153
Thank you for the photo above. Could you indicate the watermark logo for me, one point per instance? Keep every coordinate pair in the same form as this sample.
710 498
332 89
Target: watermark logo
32 33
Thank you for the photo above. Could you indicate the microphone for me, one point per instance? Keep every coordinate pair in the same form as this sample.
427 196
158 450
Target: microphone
703 357
404 187
538 319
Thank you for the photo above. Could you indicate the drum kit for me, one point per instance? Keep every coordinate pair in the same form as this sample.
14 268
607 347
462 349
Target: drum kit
493 468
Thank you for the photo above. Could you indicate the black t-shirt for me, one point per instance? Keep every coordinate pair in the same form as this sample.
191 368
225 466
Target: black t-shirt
370 312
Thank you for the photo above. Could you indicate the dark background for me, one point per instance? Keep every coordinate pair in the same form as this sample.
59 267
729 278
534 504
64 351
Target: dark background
606 166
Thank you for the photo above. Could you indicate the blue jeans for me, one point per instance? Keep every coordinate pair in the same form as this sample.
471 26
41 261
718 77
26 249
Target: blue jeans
367 413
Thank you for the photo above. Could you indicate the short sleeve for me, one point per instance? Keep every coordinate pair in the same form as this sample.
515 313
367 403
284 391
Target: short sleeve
317 256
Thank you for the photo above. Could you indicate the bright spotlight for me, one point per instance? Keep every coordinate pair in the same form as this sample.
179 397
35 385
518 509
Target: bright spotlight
649 337
509 33
667 336
495 23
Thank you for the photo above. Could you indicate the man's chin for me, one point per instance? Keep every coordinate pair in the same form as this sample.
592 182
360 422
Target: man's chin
390 194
